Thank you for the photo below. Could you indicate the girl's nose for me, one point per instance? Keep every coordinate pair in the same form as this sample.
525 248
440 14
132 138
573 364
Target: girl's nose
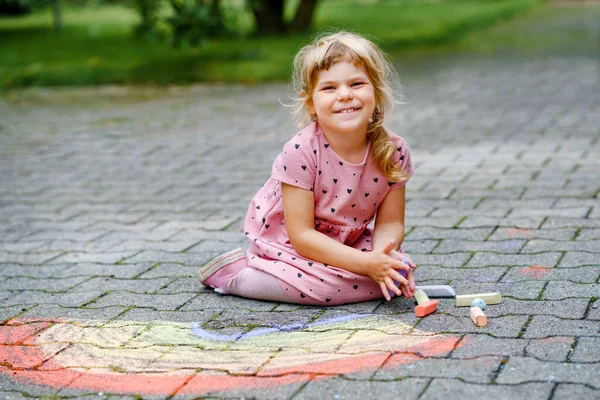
345 93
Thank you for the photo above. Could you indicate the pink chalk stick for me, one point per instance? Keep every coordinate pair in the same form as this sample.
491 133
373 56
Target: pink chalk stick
426 308
478 316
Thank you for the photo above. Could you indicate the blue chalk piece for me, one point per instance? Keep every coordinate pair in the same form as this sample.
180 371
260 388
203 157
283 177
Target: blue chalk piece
478 302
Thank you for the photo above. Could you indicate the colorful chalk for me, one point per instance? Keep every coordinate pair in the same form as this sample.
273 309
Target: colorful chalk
437 290
425 306
489 298
478 317
478 302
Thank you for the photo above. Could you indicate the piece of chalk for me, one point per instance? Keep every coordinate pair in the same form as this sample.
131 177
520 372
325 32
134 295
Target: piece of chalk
421 296
489 298
478 302
478 316
437 290
426 308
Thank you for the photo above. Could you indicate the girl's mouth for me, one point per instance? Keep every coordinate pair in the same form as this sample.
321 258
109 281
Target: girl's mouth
347 110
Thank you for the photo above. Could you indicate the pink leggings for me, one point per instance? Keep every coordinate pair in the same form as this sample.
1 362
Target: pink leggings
255 284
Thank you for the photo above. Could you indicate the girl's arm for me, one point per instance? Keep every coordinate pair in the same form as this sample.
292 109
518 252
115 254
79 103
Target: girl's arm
389 226
389 222
298 208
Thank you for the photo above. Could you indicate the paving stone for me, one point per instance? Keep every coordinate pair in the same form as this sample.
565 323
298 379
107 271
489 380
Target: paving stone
152 315
550 349
491 259
475 234
7 383
219 302
521 222
166 257
43 312
38 271
419 246
158 301
434 272
588 234
477 370
515 233
7 313
172 270
526 369
570 308
447 260
504 246
120 271
594 312
102 258
517 290
574 259
106 284
542 326
138 245
47 285
586 350
506 326
473 346
183 285
563 290
28 259
540 245
559 222
587 274
31 297
575 392
443 222
337 388
453 388
244 388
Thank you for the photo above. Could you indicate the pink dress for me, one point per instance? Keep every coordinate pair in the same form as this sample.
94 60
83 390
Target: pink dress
346 200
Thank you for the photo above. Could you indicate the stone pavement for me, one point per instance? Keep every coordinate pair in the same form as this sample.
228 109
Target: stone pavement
112 198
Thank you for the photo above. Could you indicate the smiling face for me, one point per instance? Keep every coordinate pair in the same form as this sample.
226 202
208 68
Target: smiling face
343 99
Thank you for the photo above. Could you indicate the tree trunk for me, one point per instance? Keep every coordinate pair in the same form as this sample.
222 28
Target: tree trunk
304 16
216 26
269 16
57 15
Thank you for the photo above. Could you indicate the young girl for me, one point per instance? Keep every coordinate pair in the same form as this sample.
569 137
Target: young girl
308 225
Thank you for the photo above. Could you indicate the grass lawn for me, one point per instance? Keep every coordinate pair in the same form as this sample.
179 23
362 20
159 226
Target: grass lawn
96 44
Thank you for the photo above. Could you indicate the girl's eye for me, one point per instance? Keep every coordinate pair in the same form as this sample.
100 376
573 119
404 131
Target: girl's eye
328 88
357 84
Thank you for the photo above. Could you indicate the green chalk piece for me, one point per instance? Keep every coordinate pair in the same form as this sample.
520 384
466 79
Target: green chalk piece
421 296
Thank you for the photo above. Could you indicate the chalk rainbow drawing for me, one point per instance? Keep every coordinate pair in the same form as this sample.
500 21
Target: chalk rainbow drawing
164 358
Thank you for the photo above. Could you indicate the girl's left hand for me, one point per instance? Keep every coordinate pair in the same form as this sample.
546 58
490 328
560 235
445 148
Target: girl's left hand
407 291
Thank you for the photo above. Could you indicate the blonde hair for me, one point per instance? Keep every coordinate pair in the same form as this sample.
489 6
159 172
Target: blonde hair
329 49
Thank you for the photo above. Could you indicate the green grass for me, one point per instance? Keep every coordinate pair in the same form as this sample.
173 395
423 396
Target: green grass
96 45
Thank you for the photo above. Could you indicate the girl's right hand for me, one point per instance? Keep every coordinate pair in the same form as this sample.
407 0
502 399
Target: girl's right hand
383 269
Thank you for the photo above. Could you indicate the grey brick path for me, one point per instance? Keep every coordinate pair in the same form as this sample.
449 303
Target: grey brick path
112 198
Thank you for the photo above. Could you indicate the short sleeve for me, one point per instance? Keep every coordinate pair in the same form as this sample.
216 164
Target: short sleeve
296 164
402 158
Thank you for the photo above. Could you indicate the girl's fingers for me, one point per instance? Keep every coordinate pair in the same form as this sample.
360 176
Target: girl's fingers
409 262
384 291
399 278
389 247
411 280
392 286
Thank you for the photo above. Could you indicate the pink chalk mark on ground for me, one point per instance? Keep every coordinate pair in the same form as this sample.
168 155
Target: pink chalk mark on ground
535 271
520 233
21 363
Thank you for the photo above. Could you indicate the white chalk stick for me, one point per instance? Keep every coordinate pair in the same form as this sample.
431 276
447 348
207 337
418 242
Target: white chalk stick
478 316
437 290
489 298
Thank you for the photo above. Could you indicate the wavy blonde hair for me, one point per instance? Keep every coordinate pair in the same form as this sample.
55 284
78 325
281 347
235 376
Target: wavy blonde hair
329 49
